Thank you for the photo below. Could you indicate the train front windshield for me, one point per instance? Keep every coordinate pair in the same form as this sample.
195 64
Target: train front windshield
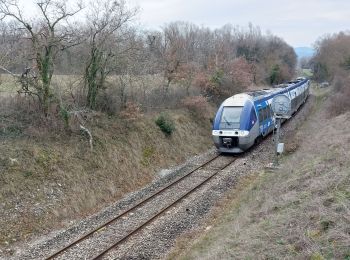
230 118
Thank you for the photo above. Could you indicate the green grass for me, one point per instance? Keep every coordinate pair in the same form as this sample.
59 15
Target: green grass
307 73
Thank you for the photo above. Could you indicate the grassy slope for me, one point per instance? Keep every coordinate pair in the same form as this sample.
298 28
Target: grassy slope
301 211
47 181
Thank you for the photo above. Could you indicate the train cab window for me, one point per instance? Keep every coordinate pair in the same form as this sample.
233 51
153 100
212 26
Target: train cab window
230 118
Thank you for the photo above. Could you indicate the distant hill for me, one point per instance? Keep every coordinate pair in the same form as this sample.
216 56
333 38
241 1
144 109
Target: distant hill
304 52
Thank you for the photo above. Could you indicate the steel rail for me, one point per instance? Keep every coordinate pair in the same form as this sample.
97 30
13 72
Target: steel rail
80 239
141 226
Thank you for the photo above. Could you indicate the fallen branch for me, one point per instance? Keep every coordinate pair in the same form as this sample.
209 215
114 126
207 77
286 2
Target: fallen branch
77 115
84 129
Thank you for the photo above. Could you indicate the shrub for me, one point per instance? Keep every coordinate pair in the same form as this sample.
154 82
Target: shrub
165 123
340 99
217 77
109 101
241 73
340 103
198 105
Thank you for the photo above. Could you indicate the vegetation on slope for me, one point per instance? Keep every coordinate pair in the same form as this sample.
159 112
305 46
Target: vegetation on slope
332 63
51 178
299 211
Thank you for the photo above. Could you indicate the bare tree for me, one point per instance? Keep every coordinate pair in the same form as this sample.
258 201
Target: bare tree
49 34
174 49
10 43
107 27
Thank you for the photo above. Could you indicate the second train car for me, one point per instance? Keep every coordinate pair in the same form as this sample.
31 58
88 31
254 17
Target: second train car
245 118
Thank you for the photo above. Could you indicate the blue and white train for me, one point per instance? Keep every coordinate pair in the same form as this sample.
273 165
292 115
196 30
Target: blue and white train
245 118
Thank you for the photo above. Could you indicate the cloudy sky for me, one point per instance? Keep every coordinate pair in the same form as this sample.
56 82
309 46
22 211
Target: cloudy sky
299 22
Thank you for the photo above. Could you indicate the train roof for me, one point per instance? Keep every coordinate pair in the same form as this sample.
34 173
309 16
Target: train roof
281 88
263 94
237 100
260 92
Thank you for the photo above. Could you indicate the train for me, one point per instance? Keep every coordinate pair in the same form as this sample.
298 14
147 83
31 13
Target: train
244 119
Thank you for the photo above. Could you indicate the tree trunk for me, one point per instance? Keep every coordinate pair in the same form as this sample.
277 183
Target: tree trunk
45 66
91 75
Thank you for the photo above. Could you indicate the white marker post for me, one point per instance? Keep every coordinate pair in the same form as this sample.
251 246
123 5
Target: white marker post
281 107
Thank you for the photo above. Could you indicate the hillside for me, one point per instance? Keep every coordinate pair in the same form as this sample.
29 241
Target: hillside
300 211
50 180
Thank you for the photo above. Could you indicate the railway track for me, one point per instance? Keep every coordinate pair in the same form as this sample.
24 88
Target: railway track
160 201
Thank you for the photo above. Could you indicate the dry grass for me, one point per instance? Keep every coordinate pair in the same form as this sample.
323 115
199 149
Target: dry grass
146 91
298 212
49 176
48 179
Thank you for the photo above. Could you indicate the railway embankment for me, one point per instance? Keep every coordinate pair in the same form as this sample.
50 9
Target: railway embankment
299 211
51 181
189 215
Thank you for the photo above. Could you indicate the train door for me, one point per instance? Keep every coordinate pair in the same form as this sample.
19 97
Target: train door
261 120
271 122
265 119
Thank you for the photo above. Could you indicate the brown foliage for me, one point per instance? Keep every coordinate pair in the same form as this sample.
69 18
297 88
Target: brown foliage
198 105
201 81
340 100
332 55
241 72
332 62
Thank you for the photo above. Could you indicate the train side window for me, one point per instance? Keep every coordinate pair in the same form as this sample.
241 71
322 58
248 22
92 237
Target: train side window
272 114
253 115
269 112
261 118
264 113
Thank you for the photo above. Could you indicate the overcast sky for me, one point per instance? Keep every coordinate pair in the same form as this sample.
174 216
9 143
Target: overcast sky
299 22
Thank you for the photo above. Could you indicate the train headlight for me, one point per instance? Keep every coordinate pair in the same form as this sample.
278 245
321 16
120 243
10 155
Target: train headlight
243 133
216 132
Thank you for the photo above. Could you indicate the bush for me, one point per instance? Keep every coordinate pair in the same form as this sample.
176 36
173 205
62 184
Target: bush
340 99
165 123
197 104
340 103
109 101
